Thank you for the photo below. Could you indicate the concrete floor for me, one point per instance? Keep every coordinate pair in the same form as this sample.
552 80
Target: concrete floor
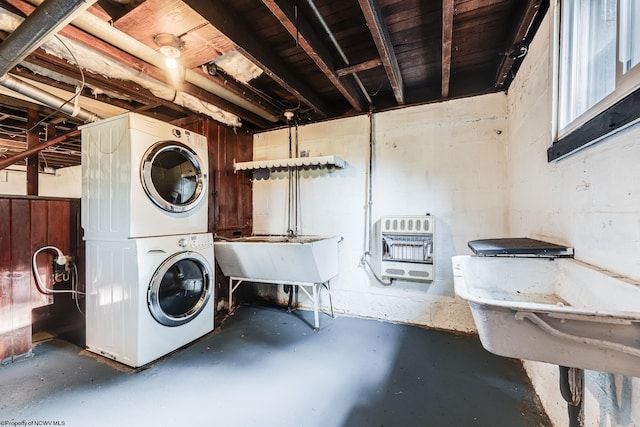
266 367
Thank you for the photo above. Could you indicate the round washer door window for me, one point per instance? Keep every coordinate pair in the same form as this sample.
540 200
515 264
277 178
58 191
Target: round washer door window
172 176
179 289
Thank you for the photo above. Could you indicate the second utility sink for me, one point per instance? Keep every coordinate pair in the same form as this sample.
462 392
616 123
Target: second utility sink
559 311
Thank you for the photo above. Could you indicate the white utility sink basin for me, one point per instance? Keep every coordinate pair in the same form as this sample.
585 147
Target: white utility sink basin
559 311
312 259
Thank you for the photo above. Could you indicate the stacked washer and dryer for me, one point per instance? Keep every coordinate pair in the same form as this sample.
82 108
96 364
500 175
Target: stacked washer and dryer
149 258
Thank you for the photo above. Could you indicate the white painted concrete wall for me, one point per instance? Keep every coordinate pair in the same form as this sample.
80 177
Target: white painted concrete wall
590 201
445 159
66 182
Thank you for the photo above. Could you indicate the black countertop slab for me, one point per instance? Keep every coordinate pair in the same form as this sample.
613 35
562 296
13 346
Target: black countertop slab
518 246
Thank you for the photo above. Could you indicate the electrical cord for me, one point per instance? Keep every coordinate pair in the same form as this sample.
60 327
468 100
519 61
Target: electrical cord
365 262
74 98
61 260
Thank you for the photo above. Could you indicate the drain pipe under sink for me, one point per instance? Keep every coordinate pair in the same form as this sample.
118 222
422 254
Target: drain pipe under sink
571 388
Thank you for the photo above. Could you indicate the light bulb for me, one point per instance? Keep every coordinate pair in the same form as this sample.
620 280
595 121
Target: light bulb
171 63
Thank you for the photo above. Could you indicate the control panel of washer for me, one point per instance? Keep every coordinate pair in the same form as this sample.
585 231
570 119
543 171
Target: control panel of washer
196 241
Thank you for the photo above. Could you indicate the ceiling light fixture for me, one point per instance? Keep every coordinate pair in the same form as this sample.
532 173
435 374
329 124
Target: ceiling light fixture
170 46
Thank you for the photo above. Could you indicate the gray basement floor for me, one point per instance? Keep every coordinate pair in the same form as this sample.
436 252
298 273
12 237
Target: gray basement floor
266 367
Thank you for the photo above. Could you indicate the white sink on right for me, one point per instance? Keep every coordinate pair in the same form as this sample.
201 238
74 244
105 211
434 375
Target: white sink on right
559 311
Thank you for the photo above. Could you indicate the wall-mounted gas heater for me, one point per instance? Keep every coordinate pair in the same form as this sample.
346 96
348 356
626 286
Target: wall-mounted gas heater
403 247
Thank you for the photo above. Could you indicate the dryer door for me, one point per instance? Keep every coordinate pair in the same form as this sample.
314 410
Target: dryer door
179 289
172 176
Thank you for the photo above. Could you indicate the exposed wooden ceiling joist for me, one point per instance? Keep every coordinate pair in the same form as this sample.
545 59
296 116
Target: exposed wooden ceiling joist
302 31
447 36
238 32
380 34
429 51
517 48
363 66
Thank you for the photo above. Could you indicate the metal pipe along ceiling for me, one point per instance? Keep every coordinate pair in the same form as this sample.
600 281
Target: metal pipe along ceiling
46 98
42 23
102 30
29 35
337 46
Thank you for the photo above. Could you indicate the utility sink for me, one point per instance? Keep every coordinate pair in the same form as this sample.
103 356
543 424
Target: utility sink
312 259
557 310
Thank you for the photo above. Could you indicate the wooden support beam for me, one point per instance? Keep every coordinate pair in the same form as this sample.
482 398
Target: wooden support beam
311 43
256 51
447 36
31 151
518 47
363 66
378 29
33 167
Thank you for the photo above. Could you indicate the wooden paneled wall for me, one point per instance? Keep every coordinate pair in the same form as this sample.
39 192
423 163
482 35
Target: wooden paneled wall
230 193
27 224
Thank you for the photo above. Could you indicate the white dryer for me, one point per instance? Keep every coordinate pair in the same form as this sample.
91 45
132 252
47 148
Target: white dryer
142 177
147 297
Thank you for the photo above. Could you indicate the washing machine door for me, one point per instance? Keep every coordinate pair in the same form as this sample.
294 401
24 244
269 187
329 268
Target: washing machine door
172 176
180 289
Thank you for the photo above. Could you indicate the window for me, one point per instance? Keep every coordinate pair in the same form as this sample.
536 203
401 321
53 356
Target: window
599 71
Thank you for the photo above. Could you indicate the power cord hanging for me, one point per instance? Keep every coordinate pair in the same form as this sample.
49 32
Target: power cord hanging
64 269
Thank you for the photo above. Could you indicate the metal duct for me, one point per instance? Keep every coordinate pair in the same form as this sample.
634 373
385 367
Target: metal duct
46 20
46 98
42 23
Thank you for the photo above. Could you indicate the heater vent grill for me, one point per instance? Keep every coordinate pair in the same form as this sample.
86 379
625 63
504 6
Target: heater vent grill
404 247
418 273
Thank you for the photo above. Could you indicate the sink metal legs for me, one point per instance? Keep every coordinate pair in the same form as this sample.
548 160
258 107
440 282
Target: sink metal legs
311 290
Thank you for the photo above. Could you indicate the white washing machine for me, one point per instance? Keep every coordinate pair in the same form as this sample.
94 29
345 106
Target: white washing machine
147 297
142 177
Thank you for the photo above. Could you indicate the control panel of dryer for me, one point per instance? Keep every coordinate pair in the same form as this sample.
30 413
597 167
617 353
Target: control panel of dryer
196 241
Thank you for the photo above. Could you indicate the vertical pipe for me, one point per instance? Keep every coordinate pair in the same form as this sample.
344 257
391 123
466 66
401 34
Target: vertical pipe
298 212
290 191
369 194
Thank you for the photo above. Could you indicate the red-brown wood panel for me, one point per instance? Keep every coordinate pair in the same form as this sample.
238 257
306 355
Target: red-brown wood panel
6 320
212 134
27 224
38 230
77 247
226 191
21 272
59 219
234 190
244 153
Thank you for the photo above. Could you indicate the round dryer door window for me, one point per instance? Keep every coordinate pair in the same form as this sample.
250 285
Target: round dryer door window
179 289
172 176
